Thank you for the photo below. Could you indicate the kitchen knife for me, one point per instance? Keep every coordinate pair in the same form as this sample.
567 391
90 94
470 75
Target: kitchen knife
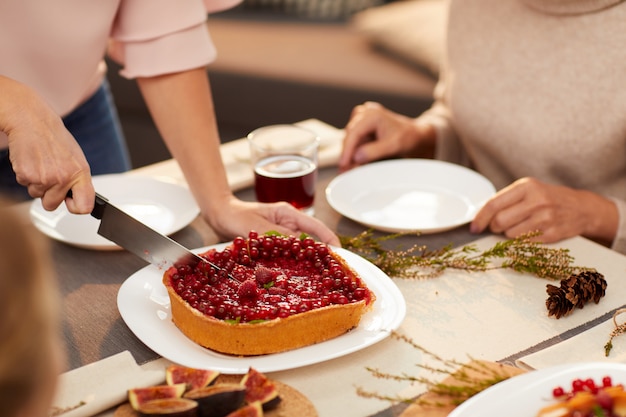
138 238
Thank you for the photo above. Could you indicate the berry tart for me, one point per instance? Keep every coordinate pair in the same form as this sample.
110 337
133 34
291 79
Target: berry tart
272 293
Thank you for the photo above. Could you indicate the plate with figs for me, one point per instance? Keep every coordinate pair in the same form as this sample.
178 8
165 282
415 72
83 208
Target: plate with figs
193 392
145 306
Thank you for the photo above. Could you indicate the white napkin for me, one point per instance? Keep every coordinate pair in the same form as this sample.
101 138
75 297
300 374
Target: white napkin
102 385
587 346
236 157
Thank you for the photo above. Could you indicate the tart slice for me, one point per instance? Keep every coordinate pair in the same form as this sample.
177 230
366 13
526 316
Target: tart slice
272 294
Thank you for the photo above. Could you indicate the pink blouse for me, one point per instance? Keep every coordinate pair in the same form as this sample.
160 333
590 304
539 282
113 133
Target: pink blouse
57 47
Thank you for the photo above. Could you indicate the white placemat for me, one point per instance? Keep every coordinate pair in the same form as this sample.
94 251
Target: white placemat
96 387
460 315
587 346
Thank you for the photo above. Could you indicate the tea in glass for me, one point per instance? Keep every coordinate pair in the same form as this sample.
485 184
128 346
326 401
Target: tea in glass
284 159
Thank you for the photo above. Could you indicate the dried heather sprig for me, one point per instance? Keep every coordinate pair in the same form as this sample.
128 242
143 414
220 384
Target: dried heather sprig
619 329
522 254
471 378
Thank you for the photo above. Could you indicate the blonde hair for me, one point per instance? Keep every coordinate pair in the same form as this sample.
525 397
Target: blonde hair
29 318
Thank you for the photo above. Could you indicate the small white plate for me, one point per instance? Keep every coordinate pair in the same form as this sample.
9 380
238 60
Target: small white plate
164 206
409 195
144 305
524 395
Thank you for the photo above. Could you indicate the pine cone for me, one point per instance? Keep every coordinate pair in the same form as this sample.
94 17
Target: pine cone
557 303
575 291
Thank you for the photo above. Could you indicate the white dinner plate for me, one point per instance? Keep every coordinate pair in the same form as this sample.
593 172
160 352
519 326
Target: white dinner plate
524 395
144 305
164 206
409 195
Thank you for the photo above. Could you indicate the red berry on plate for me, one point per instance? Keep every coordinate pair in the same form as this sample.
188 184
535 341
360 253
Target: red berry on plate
577 385
590 385
558 392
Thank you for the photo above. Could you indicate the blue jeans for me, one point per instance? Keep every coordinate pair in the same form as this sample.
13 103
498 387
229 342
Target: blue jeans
96 127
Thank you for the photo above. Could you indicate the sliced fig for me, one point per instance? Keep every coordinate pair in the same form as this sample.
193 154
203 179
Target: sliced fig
249 410
194 378
260 388
169 407
139 396
218 400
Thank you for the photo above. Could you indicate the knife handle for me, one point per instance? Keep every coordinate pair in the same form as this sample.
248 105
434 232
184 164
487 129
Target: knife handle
98 207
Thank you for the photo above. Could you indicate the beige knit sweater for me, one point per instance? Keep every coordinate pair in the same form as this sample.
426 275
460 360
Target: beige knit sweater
537 88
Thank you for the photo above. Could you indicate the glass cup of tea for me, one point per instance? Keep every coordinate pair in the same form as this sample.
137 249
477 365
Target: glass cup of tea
284 159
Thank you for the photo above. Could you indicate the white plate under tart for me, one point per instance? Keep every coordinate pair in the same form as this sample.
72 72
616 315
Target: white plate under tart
144 305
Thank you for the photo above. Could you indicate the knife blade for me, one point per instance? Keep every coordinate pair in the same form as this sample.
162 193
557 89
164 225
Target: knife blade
140 239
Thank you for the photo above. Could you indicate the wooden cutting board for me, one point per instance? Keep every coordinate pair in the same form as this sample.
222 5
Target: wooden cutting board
293 402
435 405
